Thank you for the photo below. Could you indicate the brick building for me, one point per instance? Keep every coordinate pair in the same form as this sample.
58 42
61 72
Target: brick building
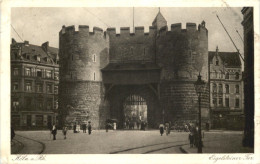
102 72
34 85
226 90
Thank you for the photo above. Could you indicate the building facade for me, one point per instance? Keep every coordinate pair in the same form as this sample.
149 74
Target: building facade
226 90
103 72
34 85
249 75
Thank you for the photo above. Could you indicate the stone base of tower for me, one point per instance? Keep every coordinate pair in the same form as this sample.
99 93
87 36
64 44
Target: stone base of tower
179 103
81 102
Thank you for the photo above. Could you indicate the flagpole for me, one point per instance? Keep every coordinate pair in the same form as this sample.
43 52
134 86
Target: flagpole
133 20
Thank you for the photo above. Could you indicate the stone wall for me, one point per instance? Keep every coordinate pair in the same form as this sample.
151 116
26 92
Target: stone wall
126 47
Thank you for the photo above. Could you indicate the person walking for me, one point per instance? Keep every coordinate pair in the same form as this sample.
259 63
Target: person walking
54 132
84 127
74 128
107 126
89 128
192 137
161 127
114 125
64 131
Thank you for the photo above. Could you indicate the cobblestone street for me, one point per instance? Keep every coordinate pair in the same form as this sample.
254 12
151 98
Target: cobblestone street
129 142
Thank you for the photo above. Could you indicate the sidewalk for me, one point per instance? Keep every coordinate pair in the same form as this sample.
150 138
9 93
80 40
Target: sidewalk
221 142
24 145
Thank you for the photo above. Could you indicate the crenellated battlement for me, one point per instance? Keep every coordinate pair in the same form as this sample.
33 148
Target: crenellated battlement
125 31
82 29
176 28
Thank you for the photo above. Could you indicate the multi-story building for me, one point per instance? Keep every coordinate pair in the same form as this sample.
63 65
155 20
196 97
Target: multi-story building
226 90
34 85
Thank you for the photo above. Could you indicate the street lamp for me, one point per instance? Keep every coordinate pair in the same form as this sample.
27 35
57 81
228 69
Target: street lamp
199 86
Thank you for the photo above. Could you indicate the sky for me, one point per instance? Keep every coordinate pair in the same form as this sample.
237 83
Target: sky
38 25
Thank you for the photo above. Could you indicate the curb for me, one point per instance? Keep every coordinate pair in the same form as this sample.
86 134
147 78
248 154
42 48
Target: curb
43 145
20 148
183 151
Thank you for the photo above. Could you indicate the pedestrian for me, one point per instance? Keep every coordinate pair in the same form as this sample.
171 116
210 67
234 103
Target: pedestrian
64 131
74 128
107 126
137 124
167 127
114 125
54 132
84 127
191 137
89 128
161 127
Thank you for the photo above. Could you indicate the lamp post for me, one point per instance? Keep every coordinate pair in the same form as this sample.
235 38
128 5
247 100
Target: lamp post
199 86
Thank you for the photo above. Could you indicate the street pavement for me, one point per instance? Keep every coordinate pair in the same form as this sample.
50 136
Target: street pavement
128 142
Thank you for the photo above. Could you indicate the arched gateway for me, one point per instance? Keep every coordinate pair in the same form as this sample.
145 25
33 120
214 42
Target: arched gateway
100 70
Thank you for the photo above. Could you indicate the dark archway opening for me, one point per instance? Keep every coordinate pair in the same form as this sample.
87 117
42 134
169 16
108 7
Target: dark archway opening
134 111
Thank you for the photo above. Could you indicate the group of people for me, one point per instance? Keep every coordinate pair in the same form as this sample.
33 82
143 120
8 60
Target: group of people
165 127
130 124
53 130
84 128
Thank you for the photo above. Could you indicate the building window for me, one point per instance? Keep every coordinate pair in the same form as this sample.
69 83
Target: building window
227 76
56 89
49 88
15 104
49 74
15 86
27 72
28 86
227 88
16 71
217 62
237 88
40 104
220 88
227 102
237 76
56 105
220 101
28 102
237 103
39 88
39 73
215 101
38 58
56 76
49 104
94 57
39 120
214 88
94 76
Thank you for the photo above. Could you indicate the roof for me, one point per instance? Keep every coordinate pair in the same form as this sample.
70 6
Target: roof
230 58
131 67
29 52
158 16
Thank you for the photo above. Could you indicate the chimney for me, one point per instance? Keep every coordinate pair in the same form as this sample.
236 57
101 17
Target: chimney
45 46
13 41
26 42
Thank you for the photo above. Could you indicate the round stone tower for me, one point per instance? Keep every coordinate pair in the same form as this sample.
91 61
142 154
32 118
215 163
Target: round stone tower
182 54
82 55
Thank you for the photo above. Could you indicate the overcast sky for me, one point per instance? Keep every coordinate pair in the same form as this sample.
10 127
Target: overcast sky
38 25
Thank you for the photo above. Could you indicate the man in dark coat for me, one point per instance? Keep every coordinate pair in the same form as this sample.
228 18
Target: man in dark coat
54 132
84 127
74 128
89 128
